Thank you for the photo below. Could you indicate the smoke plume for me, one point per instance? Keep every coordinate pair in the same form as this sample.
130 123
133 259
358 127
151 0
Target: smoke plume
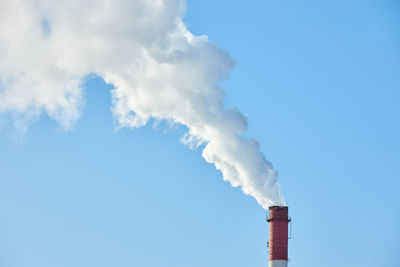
157 67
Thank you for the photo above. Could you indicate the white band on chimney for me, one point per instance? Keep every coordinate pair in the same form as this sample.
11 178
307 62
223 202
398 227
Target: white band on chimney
278 263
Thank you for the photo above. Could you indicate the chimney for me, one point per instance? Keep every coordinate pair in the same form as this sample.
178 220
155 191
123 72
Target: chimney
278 236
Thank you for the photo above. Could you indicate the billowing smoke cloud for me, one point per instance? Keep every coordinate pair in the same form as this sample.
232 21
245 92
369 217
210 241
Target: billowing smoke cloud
158 69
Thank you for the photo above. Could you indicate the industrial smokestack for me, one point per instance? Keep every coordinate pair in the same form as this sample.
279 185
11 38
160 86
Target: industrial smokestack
278 236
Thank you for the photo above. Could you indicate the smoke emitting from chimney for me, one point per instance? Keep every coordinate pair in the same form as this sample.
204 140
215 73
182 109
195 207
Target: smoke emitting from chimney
158 69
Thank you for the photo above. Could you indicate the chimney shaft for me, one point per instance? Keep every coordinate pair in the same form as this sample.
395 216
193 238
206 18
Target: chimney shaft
278 236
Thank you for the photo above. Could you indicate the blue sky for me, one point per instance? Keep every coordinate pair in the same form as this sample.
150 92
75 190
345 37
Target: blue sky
319 81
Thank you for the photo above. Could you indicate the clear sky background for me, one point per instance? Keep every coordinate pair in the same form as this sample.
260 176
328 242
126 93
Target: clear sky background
320 82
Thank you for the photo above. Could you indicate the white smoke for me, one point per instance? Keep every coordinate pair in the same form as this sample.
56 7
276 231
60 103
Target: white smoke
158 69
